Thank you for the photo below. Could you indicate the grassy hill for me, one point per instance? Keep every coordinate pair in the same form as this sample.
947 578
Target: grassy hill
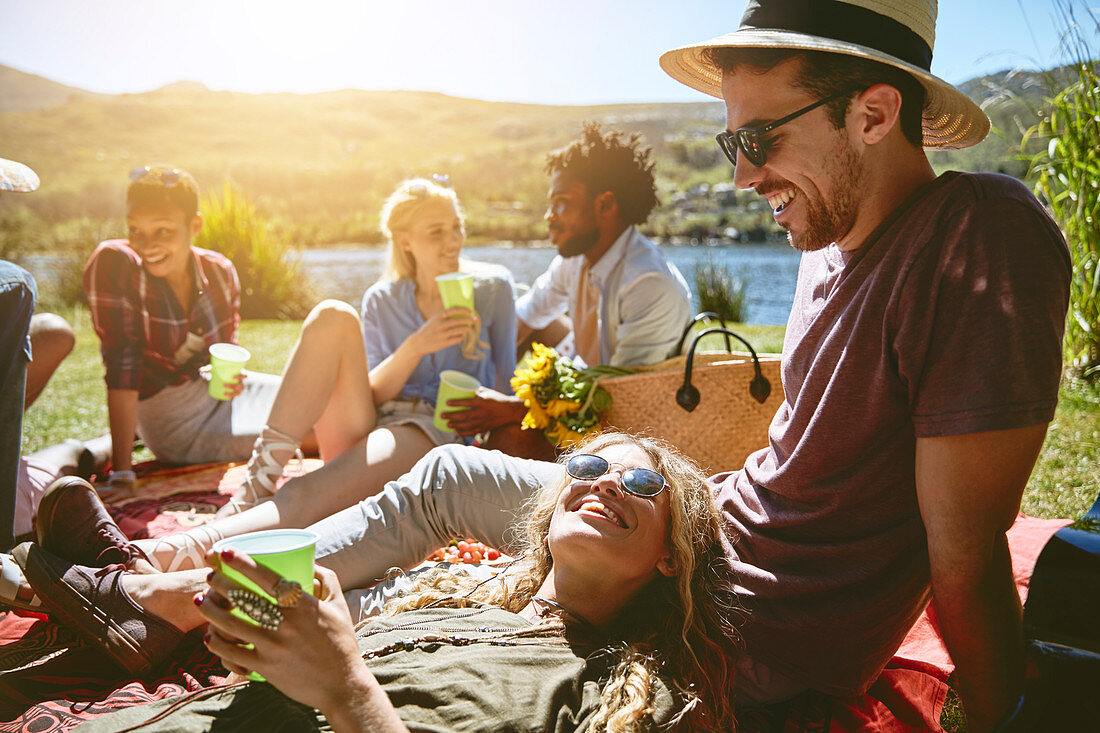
320 164
22 91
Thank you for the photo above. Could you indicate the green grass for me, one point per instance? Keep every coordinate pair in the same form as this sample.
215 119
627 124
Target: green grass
1065 483
765 339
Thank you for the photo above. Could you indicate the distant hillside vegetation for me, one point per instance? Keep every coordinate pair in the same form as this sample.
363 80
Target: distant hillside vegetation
20 90
319 165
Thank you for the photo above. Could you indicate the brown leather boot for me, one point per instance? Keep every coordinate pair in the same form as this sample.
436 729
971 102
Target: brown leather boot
73 524
93 603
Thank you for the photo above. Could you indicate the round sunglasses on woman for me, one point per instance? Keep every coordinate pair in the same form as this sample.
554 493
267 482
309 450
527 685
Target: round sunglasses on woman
638 481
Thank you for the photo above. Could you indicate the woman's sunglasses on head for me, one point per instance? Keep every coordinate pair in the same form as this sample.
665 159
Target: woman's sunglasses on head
638 481
421 189
750 140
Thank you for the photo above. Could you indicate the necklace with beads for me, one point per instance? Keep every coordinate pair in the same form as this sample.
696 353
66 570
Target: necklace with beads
545 633
548 632
545 607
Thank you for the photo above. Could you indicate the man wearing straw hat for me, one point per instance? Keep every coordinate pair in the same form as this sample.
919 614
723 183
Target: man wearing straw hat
921 360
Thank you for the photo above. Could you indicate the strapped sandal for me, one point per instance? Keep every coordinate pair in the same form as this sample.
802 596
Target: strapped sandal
264 470
184 547
15 591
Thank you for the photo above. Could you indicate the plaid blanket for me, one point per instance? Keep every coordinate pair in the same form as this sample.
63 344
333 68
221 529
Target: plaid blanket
51 681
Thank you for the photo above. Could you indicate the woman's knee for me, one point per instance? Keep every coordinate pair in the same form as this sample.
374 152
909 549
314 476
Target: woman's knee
333 310
331 317
452 466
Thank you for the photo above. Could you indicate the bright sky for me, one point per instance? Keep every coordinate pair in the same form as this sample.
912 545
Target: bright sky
549 51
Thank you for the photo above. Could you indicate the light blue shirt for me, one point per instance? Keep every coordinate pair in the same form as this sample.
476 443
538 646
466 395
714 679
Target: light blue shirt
390 315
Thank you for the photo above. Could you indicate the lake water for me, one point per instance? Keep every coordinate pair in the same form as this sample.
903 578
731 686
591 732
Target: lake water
768 270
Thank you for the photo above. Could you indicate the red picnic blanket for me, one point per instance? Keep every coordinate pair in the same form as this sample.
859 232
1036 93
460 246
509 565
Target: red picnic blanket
50 681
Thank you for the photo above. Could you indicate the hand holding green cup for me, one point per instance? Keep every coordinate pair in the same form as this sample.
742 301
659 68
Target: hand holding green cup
226 362
453 385
456 290
288 552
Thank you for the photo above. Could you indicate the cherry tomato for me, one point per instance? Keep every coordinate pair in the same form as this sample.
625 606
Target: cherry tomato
466 550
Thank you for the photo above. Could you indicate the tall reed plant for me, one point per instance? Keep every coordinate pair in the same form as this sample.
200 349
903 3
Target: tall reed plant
1067 175
719 291
273 284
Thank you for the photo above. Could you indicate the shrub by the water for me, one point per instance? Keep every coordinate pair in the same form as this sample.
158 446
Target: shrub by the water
273 284
1068 180
719 292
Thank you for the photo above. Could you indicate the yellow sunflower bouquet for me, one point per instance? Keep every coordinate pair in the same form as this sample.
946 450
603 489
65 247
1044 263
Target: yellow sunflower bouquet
562 401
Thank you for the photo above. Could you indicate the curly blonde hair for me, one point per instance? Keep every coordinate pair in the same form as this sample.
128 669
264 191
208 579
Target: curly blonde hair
677 627
399 214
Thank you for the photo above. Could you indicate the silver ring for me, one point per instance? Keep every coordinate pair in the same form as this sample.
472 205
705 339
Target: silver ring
265 613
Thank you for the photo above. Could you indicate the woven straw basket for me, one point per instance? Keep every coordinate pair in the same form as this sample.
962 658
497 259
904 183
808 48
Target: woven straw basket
727 425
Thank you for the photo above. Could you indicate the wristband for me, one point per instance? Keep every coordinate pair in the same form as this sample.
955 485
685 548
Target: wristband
129 476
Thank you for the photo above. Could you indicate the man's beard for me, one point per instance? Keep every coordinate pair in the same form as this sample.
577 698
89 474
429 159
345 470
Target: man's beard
830 222
578 244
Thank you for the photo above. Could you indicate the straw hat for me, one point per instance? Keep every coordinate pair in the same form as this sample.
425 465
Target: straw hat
16 176
900 33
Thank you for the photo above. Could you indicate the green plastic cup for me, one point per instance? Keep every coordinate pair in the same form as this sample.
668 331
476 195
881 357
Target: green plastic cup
456 290
289 552
453 385
226 362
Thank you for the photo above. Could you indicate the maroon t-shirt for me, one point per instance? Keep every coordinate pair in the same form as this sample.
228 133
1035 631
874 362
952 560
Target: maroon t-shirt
947 321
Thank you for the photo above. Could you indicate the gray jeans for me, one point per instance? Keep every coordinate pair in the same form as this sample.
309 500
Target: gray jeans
454 491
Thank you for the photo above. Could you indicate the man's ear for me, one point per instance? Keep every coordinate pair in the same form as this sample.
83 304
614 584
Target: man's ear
196 224
606 205
877 111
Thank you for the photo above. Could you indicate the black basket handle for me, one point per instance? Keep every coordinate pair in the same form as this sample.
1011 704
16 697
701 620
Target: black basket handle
687 396
696 319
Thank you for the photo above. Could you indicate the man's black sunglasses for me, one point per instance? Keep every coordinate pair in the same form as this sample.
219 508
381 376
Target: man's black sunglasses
638 481
751 139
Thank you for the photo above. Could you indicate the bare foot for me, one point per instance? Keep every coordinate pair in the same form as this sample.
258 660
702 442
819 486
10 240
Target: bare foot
169 595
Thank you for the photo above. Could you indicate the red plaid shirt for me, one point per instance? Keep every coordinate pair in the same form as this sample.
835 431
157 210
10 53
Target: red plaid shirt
141 325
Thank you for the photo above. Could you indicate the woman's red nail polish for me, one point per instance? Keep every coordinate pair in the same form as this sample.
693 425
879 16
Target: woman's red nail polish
209 576
198 599
228 554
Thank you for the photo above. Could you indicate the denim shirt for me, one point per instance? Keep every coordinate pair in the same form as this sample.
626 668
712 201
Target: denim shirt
390 315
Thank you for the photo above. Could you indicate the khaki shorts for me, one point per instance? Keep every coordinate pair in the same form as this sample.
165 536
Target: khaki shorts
414 412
